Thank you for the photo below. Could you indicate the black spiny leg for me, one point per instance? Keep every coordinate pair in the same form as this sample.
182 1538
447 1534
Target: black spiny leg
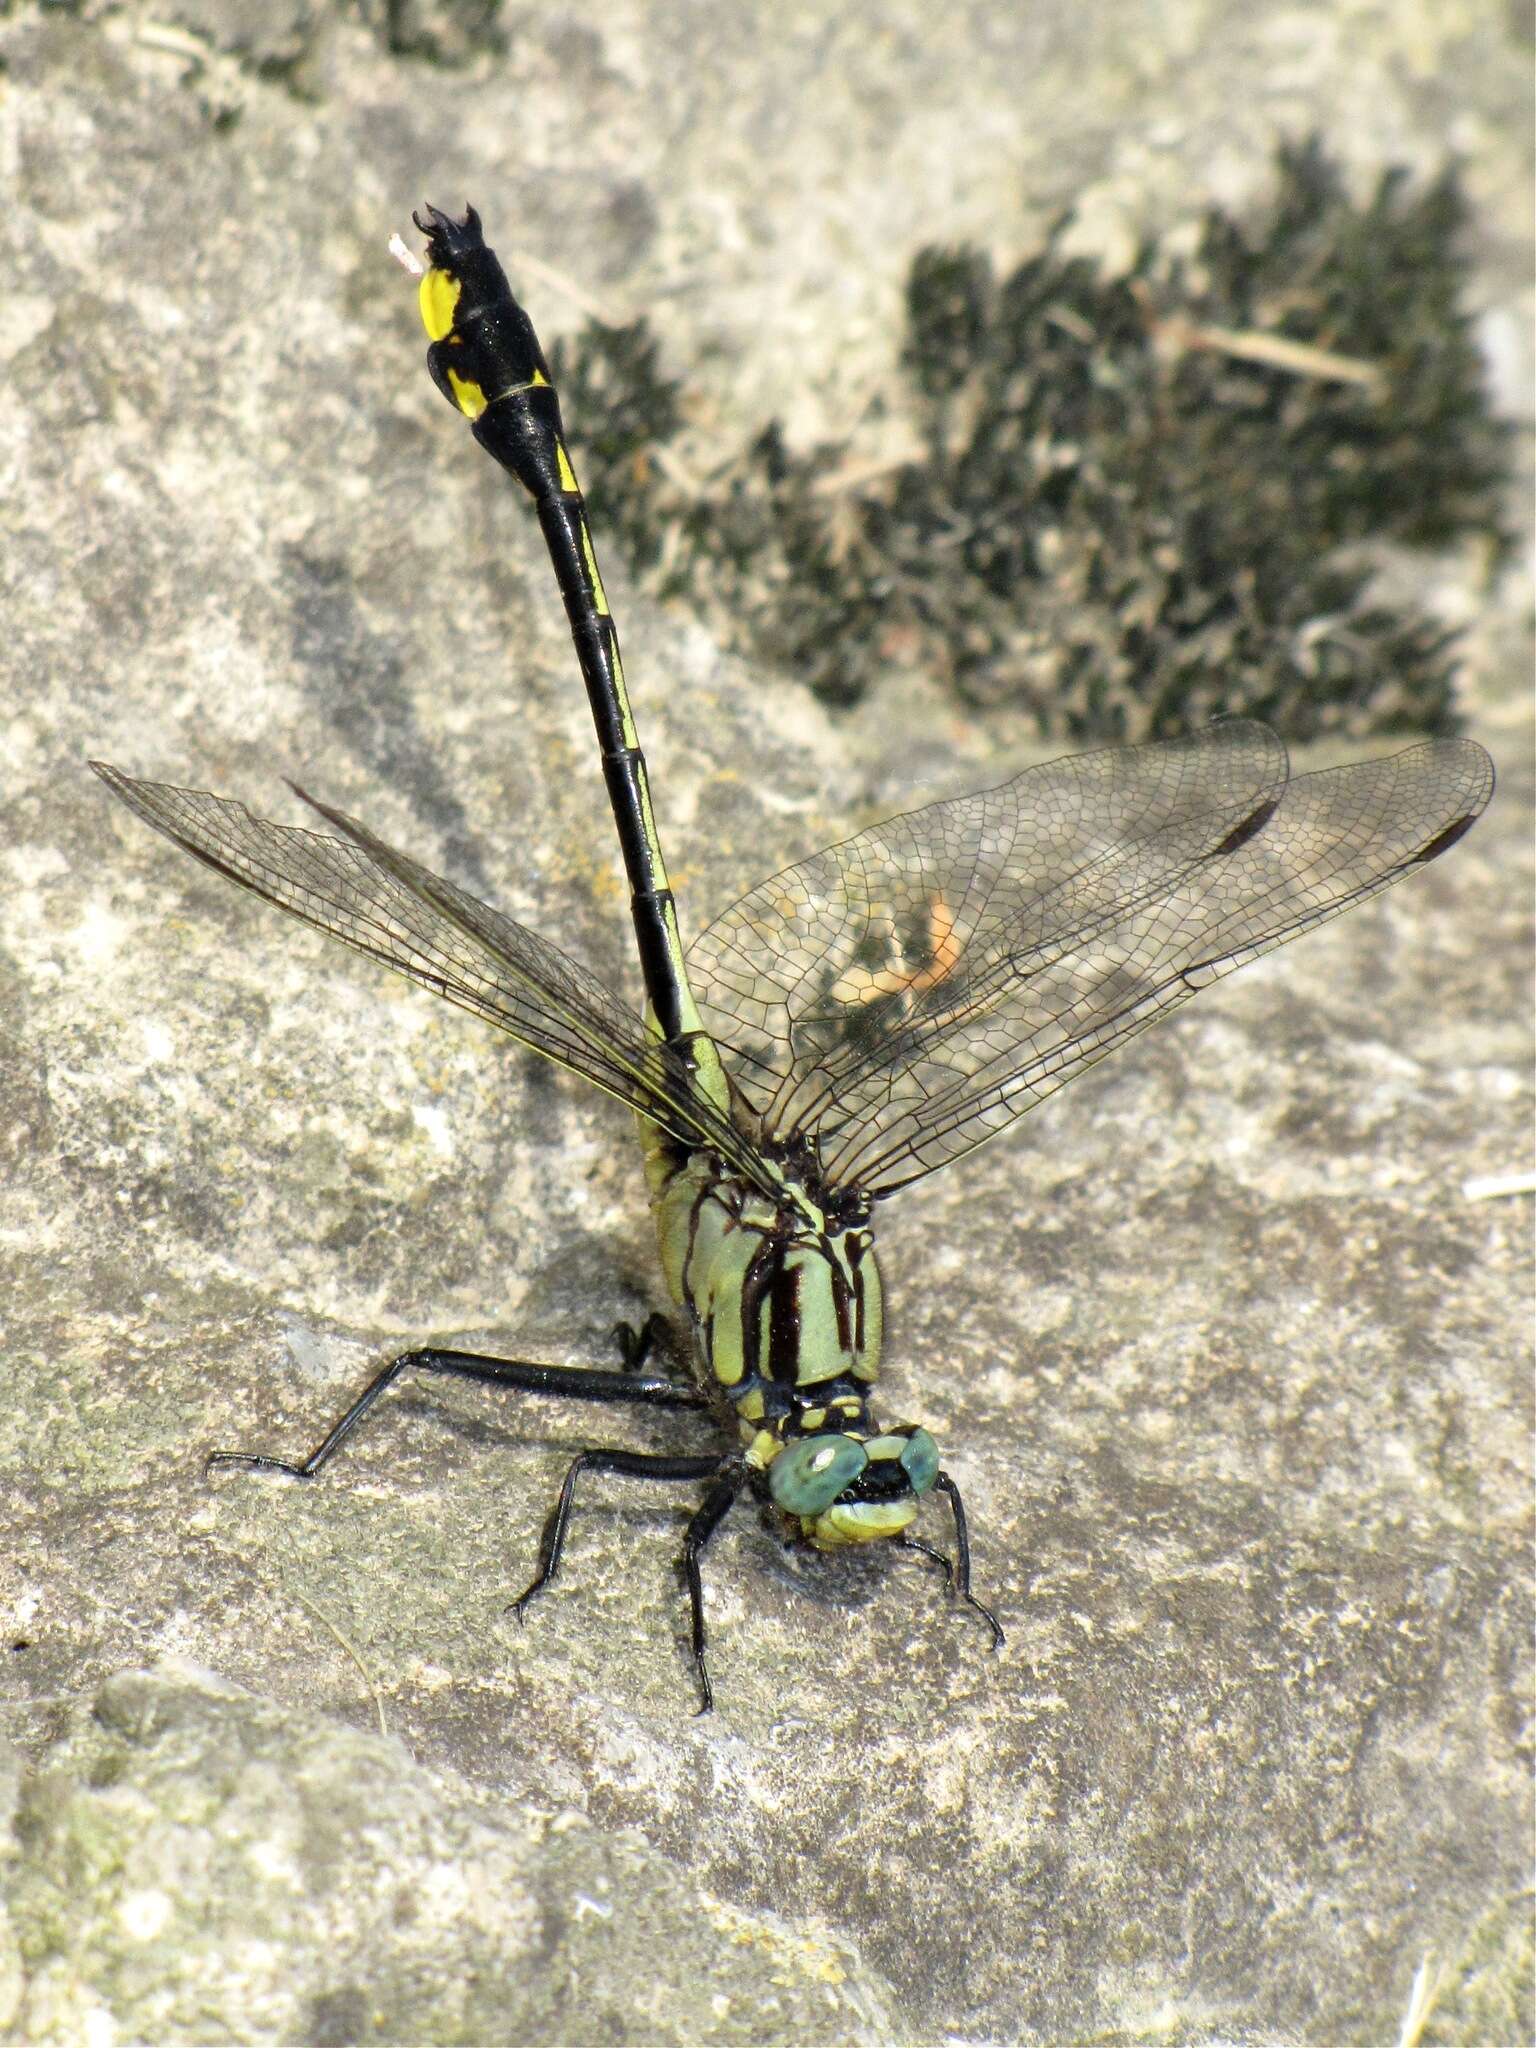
645 1465
636 1344
633 1465
572 1382
927 1550
960 1577
716 1505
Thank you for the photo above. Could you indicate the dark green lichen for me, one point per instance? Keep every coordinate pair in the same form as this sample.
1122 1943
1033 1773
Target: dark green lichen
447 33
1132 509
622 412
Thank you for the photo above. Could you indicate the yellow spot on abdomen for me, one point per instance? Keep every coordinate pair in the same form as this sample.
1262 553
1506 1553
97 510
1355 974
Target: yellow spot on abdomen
472 401
438 297
598 597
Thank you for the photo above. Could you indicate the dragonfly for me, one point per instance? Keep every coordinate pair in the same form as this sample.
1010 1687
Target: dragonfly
853 1023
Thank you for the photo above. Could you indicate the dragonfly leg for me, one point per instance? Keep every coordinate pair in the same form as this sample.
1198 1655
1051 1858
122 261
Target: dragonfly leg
632 1465
962 1570
636 1342
714 1508
572 1382
927 1550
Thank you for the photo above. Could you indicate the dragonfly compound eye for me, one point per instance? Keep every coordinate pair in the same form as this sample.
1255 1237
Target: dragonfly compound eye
905 1461
806 1477
920 1460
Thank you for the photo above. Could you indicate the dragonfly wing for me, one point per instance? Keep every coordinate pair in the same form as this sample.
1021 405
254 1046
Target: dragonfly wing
909 993
382 903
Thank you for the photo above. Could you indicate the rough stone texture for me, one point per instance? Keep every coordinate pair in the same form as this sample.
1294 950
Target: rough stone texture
1236 1380
216 1867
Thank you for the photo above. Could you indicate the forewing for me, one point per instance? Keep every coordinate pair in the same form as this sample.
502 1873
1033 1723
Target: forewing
907 994
382 903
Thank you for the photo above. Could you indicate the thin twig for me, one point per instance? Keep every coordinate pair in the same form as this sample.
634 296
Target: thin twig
853 476
1276 352
350 1648
1484 1187
1429 1980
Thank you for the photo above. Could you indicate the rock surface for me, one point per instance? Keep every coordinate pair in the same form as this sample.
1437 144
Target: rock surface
250 1860
1236 1380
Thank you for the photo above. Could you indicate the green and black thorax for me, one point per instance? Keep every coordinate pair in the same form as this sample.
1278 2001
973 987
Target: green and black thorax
785 1303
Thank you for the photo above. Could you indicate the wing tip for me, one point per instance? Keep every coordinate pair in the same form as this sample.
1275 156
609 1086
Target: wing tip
1446 837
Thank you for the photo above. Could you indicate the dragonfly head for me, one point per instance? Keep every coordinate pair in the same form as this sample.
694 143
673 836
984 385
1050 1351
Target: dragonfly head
845 1487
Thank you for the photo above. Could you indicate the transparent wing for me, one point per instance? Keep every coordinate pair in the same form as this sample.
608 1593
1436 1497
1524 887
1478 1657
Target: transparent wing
905 995
384 904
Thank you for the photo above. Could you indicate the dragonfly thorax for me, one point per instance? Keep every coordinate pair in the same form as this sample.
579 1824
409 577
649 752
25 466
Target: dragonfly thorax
784 1299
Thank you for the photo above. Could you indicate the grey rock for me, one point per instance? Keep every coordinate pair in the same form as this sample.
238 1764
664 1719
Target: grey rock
194 1859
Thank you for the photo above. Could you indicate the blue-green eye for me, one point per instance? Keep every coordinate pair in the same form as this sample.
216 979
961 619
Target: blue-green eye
920 1460
806 1477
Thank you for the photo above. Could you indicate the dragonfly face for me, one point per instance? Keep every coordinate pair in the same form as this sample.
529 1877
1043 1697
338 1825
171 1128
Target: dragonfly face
843 1486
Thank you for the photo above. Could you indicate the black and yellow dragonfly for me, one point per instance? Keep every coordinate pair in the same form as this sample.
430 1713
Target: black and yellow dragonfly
853 1023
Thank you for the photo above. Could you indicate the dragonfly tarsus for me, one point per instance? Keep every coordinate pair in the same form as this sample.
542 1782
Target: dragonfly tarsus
711 1512
945 1485
637 1342
928 1550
